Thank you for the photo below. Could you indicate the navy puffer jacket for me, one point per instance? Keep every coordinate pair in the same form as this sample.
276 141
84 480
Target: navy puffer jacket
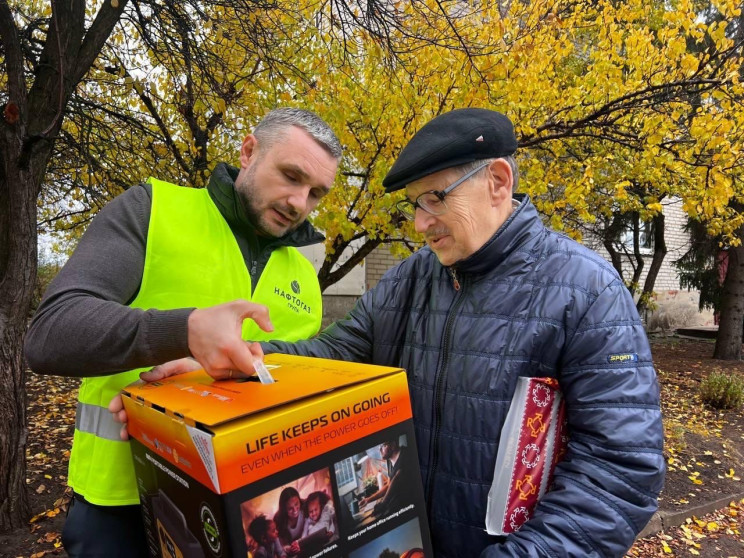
530 302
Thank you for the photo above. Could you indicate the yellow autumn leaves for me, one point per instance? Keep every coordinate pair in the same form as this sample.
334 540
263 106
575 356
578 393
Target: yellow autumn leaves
617 105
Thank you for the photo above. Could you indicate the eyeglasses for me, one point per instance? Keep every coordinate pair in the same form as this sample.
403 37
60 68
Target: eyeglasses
433 202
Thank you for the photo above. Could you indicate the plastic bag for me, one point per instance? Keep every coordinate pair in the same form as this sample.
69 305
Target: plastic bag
533 439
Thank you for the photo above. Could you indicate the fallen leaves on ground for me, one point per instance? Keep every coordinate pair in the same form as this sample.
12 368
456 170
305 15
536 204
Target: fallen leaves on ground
716 534
703 446
703 452
51 420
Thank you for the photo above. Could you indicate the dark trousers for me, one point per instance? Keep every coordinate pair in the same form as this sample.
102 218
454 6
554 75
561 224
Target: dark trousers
106 531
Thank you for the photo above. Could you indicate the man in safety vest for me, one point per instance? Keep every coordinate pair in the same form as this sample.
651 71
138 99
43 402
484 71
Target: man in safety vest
165 272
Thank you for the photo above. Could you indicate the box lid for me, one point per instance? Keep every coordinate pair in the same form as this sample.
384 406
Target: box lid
197 398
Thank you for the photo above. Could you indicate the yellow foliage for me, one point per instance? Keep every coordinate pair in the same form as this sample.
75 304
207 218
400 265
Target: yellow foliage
589 87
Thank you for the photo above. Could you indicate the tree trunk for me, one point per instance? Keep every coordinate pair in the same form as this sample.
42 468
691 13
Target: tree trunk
14 504
639 261
611 234
660 250
29 125
17 273
728 342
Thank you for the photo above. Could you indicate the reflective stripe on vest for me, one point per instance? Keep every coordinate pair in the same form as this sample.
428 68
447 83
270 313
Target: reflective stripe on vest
192 260
97 420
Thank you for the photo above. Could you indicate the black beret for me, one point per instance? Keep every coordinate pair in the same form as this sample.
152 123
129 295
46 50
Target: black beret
451 139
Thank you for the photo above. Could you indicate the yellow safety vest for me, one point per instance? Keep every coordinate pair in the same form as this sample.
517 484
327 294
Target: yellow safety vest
192 260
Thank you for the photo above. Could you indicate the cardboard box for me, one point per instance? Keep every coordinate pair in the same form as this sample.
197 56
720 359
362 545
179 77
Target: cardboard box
215 459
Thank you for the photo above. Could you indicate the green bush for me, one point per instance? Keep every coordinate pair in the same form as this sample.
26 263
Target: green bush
722 391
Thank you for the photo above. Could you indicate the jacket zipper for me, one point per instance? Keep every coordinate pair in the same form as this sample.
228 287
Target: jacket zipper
455 280
439 393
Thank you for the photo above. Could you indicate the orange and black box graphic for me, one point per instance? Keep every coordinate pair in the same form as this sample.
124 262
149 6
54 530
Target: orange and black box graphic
320 463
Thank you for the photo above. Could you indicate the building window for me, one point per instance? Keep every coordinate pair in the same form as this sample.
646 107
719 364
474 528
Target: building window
645 237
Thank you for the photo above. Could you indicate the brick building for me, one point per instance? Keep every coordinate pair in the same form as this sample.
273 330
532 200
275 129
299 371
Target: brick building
675 306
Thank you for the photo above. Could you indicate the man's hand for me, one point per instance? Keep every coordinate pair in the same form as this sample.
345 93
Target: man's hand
215 338
116 406
165 370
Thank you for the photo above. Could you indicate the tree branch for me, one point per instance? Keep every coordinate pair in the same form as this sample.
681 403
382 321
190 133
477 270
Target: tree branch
326 277
13 57
96 37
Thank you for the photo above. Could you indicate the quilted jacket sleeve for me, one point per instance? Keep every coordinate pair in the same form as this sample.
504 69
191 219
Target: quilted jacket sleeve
606 487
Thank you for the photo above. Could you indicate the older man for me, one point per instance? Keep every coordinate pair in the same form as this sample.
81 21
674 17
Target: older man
165 272
496 296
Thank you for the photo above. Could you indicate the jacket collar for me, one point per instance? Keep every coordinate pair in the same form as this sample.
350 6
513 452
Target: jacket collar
522 224
221 189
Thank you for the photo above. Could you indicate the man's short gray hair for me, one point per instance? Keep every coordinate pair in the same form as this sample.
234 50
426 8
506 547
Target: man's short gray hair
467 167
274 125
